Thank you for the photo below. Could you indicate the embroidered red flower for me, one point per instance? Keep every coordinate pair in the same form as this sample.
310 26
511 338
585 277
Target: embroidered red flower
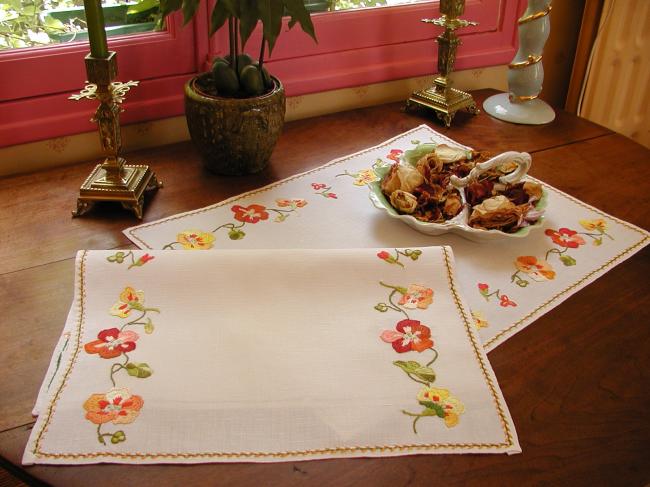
383 255
250 214
565 237
483 287
394 154
410 335
505 301
331 195
112 343
116 405
318 186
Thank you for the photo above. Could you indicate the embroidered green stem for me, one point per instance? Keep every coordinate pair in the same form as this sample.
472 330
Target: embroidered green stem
596 236
170 246
519 281
116 437
100 435
231 226
394 306
555 251
417 418
435 357
117 367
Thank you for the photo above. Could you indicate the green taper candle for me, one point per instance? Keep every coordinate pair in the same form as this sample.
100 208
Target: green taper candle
96 31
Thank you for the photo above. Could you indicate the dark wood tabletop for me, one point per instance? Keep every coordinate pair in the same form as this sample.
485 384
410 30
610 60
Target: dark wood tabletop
577 381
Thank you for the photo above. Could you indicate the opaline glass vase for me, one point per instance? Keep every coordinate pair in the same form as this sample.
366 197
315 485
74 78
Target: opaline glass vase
526 72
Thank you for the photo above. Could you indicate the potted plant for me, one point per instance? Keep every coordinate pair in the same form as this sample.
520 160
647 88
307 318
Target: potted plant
235 112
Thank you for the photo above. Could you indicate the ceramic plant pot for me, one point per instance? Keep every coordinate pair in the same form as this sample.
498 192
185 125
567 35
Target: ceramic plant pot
235 136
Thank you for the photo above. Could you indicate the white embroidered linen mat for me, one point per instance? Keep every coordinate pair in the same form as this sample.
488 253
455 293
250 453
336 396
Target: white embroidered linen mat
508 284
230 356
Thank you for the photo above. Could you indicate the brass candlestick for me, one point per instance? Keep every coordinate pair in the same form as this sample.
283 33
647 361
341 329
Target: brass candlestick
113 179
441 97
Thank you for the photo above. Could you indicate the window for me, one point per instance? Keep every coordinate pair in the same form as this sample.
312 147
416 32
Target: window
356 47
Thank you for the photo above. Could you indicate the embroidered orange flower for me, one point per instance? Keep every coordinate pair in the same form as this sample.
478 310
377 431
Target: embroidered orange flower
117 406
417 297
130 299
112 343
538 270
250 214
441 401
394 154
195 240
598 225
565 237
410 335
293 203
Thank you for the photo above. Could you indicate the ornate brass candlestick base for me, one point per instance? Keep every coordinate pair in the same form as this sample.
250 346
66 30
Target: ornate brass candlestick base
113 179
441 97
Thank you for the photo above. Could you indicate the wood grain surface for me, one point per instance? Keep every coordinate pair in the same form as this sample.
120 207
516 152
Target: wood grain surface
577 381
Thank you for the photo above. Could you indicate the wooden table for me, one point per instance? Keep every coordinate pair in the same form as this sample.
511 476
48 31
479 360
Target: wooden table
577 381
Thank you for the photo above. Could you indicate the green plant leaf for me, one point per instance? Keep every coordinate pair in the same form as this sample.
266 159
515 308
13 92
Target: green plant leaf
141 370
270 13
299 14
248 20
219 16
189 9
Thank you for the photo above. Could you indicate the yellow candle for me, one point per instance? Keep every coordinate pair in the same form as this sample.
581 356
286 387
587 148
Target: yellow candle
96 31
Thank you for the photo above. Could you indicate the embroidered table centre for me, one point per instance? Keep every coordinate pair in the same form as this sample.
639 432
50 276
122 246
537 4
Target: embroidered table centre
508 284
194 357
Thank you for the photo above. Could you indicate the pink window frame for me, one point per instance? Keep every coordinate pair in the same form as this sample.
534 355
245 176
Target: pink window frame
355 48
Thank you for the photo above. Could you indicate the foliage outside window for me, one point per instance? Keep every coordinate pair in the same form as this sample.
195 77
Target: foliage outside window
33 23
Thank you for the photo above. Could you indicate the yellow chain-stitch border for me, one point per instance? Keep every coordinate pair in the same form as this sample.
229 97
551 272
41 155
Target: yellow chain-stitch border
295 453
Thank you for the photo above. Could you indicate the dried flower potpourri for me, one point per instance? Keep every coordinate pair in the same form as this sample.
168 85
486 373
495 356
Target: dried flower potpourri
428 189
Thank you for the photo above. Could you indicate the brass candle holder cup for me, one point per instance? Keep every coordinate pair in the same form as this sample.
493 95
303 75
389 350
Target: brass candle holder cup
441 97
113 179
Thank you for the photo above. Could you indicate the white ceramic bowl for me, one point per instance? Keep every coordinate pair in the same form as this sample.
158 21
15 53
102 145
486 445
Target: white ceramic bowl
458 225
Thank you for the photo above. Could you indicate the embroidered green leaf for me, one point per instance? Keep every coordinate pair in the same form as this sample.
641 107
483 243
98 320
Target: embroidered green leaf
567 260
118 437
409 367
236 234
118 257
425 373
415 142
382 307
136 305
598 241
141 371
434 407
148 327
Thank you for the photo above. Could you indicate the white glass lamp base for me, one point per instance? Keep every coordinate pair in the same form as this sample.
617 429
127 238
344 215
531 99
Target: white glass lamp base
532 112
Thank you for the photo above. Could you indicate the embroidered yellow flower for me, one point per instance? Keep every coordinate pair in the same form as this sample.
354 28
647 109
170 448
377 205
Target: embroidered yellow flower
442 402
195 240
598 224
129 299
480 321
364 177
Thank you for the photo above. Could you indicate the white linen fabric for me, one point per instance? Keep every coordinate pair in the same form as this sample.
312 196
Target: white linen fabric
256 355
508 284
